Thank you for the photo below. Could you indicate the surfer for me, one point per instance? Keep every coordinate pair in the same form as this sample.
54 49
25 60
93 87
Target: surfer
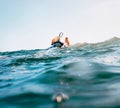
57 43
67 42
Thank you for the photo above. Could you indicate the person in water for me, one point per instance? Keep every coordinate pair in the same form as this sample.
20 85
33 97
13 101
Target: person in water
57 43
67 42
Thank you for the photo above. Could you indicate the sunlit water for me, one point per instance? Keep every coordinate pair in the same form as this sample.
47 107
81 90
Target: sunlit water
88 75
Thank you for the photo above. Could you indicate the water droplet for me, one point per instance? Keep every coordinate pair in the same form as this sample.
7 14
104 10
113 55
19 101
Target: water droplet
60 97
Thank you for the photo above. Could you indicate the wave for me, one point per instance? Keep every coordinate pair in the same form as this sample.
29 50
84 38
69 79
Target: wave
113 40
101 51
85 72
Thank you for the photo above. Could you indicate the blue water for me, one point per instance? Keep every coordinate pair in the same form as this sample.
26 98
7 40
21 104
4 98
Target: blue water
85 76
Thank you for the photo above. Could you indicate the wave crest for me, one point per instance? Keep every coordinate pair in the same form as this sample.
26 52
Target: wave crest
110 41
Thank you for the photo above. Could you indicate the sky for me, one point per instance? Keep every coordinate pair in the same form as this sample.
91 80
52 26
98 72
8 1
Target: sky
31 24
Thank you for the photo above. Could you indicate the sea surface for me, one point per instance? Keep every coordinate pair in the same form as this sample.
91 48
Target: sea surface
81 76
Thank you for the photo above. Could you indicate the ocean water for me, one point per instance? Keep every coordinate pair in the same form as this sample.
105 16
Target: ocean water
81 76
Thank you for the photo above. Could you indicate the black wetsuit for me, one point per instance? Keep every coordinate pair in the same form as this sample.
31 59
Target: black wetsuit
58 44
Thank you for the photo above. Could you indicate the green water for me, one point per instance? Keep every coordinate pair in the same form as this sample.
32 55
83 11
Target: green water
88 75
